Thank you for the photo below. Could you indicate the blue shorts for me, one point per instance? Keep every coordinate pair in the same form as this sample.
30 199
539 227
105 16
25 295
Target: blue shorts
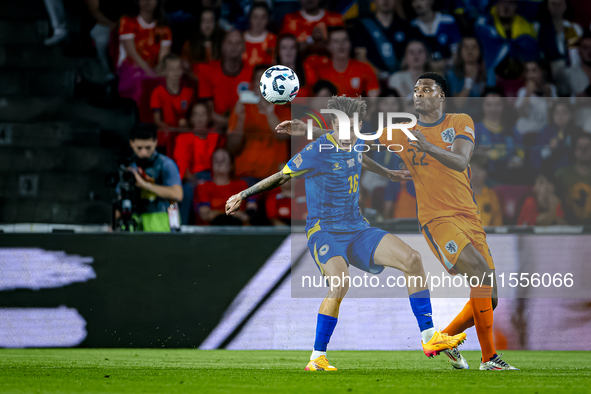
357 247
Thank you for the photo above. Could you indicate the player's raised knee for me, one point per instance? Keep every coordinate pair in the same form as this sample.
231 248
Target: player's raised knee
414 263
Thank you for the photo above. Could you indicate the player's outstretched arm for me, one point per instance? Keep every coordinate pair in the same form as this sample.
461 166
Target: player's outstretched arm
275 180
297 128
393 175
457 158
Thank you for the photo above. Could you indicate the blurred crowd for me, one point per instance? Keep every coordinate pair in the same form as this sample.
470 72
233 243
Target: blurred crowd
520 68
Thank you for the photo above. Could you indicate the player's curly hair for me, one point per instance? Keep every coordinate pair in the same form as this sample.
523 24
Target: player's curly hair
348 105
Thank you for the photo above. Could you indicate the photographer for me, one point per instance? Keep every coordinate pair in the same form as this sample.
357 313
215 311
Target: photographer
158 180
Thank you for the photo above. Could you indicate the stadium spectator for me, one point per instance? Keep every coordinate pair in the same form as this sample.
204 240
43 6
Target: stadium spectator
415 63
534 99
211 196
350 76
467 77
205 44
170 102
579 76
289 55
504 32
495 136
310 24
57 18
251 134
543 207
222 80
260 43
106 14
380 38
439 31
158 178
574 183
144 41
278 203
193 152
553 146
486 198
558 38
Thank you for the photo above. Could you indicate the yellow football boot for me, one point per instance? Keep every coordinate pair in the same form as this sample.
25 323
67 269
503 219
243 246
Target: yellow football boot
442 341
319 364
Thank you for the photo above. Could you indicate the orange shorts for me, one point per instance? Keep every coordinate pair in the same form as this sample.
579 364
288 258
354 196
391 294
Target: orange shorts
448 236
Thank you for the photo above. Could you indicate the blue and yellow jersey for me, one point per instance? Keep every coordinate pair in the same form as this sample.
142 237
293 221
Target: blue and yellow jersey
332 185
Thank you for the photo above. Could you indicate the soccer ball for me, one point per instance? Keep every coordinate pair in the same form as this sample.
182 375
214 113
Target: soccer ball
279 85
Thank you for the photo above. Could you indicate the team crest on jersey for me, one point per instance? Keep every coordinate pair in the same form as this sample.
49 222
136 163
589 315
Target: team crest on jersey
184 104
323 250
310 146
451 247
360 157
448 135
298 160
336 166
355 82
351 162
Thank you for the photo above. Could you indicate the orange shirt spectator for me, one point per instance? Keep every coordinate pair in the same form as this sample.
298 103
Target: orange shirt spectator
530 211
257 148
357 79
170 102
259 50
215 196
222 79
148 39
172 106
193 151
544 207
262 150
223 88
260 44
350 76
302 23
211 196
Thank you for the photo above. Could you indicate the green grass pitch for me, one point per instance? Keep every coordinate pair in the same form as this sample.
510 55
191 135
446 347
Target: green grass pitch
222 371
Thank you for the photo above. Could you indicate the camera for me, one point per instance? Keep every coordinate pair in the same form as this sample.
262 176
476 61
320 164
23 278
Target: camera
123 181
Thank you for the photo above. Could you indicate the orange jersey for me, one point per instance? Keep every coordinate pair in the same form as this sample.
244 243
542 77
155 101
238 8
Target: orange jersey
173 107
301 25
148 38
357 79
263 151
259 50
223 88
441 191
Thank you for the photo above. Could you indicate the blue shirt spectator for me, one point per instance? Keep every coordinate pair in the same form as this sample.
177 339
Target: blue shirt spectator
495 137
553 146
380 38
439 31
508 40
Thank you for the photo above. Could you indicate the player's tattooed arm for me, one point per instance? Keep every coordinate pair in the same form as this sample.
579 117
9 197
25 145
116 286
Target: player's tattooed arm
394 175
457 158
275 180
297 128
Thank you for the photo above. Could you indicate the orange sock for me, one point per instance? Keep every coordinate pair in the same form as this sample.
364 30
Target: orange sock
481 298
463 321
